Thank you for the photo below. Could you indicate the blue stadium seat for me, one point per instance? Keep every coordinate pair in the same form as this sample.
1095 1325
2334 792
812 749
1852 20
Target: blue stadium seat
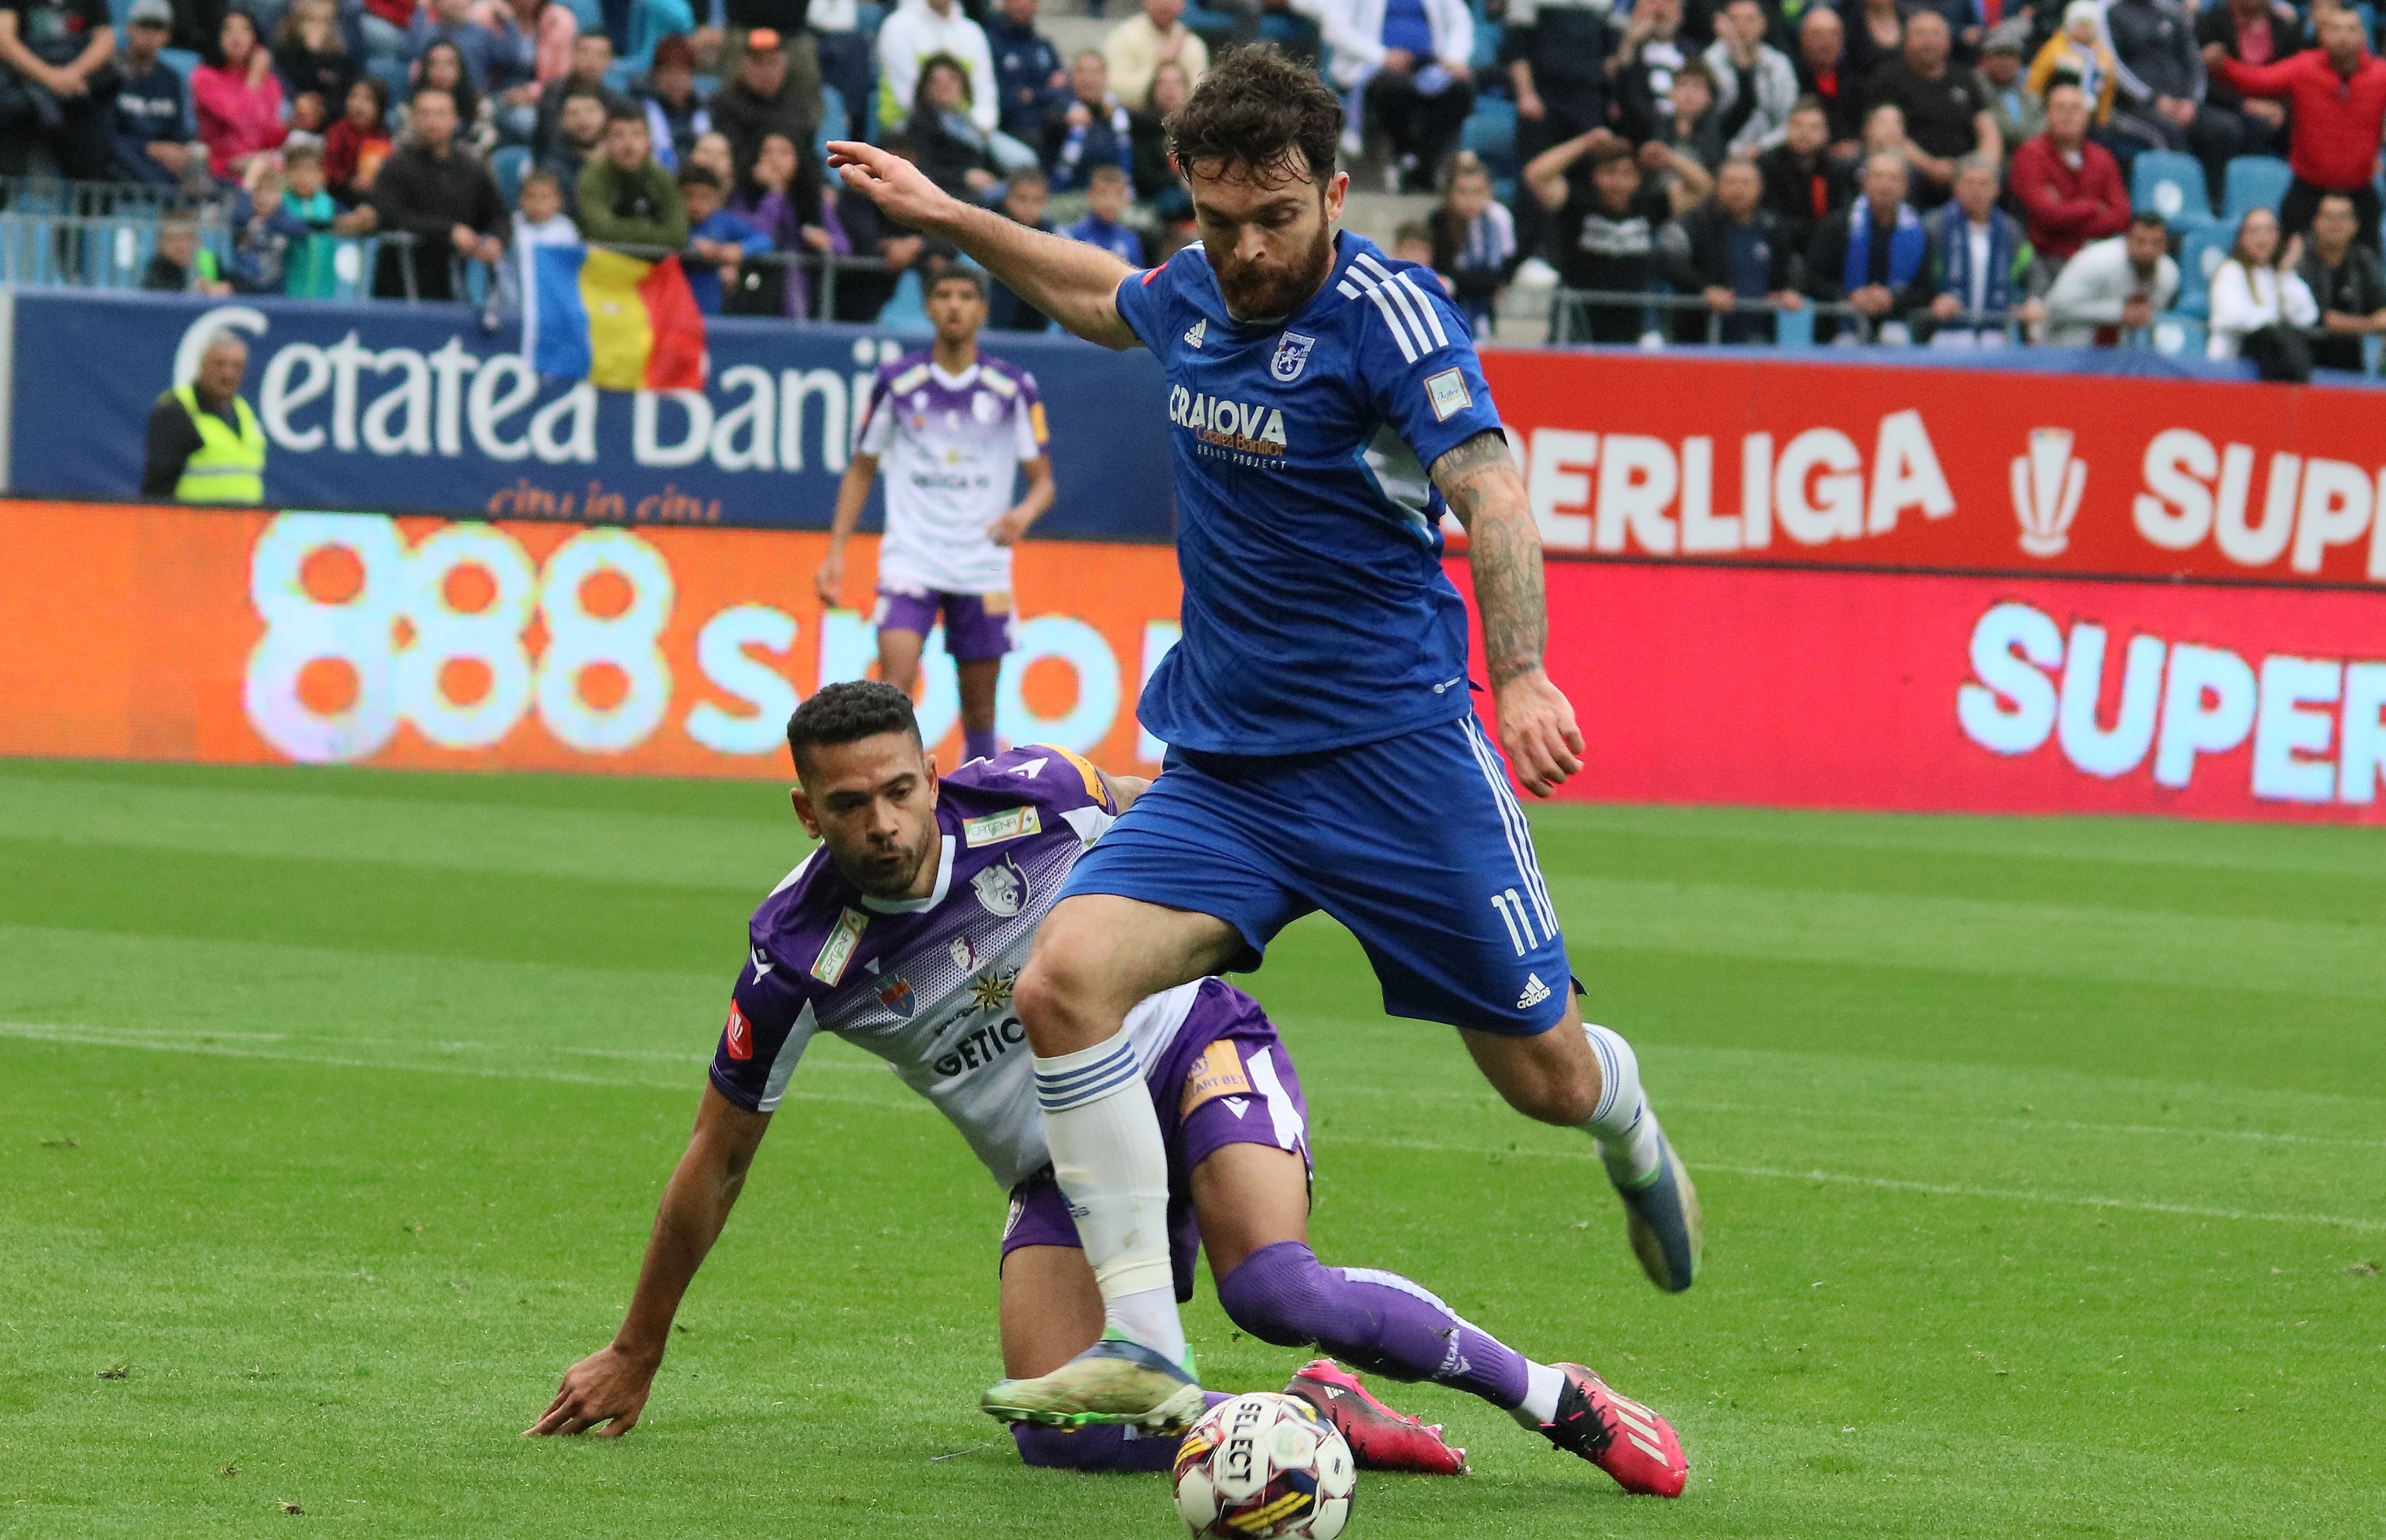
833 124
181 61
908 310
2170 184
391 74
590 14
2255 181
2179 336
1490 133
1485 60
2202 251
509 162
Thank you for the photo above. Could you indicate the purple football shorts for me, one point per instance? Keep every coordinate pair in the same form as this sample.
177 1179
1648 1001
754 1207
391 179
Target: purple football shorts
1225 1080
977 626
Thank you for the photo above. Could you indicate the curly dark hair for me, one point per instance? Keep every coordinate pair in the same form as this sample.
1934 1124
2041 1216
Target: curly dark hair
847 714
1260 114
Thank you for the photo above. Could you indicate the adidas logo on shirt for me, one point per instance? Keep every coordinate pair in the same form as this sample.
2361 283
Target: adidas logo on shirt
1535 992
1199 330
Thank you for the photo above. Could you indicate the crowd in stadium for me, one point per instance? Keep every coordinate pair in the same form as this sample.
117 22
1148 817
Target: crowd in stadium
1965 172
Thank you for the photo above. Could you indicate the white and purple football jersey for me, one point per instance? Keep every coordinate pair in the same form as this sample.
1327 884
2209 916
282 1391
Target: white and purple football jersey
925 983
950 446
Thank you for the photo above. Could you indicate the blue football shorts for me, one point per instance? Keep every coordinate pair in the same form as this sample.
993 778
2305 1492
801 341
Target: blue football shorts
1415 843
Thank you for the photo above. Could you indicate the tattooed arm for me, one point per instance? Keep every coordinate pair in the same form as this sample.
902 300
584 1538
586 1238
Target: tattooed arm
1537 727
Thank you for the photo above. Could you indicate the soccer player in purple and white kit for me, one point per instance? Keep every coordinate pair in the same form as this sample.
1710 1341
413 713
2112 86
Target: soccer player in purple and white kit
904 934
953 429
1326 408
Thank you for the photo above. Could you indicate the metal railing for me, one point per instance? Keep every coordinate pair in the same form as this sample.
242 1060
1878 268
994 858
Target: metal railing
89 251
1570 312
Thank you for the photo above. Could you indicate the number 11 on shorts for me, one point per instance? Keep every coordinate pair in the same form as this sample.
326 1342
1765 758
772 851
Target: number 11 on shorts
1518 919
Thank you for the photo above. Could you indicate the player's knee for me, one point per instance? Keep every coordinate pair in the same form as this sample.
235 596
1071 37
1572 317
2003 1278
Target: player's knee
1052 1005
1280 1294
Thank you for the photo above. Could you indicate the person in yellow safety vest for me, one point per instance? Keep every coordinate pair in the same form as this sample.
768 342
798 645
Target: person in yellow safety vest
204 444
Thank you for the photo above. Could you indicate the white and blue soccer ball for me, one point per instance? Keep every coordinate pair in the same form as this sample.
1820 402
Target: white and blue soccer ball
1265 1467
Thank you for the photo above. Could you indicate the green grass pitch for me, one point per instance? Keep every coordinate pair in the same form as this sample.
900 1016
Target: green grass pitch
2043 1161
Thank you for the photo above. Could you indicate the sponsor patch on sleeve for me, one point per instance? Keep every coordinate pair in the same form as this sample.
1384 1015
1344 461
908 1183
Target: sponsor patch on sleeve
1448 394
838 950
1036 420
1218 1072
1010 824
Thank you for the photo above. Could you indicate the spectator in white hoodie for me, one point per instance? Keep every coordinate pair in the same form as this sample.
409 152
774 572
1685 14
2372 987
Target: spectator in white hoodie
1755 83
2113 287
2258 286
1407 63
917 31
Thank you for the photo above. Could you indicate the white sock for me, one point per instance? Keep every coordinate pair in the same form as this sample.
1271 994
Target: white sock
1539 1407
1108 1158
1622 1123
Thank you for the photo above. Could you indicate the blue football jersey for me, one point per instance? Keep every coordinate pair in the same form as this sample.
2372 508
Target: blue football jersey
1316 611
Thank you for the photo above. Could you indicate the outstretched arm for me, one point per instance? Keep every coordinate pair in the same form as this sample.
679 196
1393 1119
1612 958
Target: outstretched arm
607 1389
1537 727
1074 284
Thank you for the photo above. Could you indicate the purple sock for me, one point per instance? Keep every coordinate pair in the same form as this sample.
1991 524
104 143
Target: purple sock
1095 1449
1378 1322
977 746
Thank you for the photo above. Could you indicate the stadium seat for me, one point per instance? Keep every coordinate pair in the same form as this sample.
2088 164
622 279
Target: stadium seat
1490 133
2170 184
181 61
2179 336
1485 60
391 74
509 162
2201 253
832 123
2255 181
908 310
590 14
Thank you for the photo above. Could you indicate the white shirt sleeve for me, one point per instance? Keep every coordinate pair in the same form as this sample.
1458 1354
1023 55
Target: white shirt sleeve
2234 308
1023 425
878 429
2295 299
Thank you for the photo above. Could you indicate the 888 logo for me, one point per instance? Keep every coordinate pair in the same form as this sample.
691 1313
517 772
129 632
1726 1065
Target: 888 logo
363 633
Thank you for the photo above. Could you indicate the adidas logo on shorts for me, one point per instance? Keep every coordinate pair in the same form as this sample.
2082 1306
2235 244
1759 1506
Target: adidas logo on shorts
1535 992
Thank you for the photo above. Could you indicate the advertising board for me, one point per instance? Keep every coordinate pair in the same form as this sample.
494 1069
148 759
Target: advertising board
421 408
1835 464
152 633
1777 687
155 633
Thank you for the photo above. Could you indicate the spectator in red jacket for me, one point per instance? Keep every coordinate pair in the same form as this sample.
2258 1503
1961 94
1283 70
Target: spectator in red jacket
2338 96
239 100
2069 186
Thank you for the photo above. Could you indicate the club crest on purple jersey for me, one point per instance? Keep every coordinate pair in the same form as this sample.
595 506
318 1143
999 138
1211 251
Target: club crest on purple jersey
1292 352
1002 888
897 995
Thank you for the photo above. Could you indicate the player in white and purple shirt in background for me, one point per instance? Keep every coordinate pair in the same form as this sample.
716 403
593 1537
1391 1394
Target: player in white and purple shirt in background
903 933
954 431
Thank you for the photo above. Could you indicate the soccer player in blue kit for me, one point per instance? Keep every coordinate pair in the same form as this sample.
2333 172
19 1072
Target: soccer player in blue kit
1326 406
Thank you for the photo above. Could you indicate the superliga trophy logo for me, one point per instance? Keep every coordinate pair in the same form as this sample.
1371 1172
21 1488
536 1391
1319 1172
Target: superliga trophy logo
2046 486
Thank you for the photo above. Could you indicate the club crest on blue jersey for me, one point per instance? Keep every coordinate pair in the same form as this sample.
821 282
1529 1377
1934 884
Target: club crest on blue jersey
1292 352
897 995
1002 888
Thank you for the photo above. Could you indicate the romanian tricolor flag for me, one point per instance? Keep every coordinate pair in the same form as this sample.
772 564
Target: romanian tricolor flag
613 320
